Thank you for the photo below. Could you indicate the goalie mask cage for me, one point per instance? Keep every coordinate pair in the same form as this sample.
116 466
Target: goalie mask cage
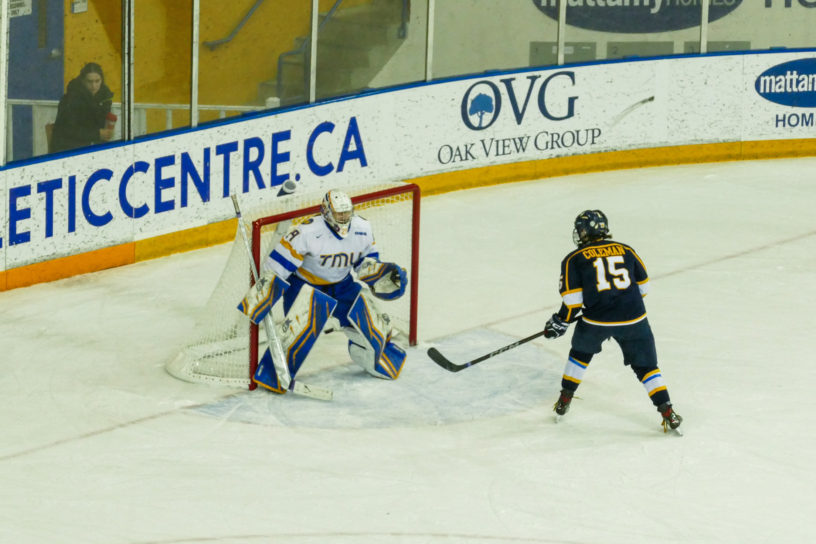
225 346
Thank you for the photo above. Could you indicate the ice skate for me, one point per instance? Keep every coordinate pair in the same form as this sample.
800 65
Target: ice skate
671 419
562 405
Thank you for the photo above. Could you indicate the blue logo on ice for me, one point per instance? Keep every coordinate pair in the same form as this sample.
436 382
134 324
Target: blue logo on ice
789 84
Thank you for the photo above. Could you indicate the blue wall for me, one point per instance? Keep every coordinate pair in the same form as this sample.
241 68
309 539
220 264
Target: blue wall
33 73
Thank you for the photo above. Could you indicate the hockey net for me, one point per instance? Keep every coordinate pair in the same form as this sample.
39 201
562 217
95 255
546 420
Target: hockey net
224 347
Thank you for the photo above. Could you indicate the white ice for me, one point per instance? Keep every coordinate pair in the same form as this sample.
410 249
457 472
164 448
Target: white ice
100 445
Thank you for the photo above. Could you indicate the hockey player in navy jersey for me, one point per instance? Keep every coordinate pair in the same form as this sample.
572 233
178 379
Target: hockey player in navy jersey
602 286
310 270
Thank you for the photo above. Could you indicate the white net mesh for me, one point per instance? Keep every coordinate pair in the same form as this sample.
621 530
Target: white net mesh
218 350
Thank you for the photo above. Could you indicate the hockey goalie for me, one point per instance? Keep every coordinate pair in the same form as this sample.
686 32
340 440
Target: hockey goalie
309 272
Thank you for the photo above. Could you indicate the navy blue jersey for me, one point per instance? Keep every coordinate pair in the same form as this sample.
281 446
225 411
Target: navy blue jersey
605 281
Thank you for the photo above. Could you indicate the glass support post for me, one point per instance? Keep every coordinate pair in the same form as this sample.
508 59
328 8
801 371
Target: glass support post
562 27
127 70
4 72
194 62
429 40
704 28
313 53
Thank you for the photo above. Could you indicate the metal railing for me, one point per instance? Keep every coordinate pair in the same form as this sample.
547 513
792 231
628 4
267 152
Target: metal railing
304 50
301 50
215 43
44 112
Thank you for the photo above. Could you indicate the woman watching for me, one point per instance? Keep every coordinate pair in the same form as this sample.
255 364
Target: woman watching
84 116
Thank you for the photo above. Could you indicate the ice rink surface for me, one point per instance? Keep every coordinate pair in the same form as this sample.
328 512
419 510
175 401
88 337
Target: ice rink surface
100 445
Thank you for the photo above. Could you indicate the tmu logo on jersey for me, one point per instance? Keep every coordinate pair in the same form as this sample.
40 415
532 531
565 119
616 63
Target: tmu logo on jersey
483 102
789 84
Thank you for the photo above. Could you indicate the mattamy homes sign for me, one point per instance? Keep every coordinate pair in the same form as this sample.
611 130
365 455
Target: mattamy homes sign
637 16
790 83
136 192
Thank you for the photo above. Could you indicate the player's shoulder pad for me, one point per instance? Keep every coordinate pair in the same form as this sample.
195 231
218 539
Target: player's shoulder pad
360 226
313 226
571 254
626 247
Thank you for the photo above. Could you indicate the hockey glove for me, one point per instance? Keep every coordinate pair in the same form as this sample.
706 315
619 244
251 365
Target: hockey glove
555 327
397 275
386 280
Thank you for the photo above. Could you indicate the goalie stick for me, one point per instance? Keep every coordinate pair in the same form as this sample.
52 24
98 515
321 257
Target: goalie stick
288 383
445 363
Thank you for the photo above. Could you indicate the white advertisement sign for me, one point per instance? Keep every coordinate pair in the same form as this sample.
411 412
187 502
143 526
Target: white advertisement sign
19 7
75 204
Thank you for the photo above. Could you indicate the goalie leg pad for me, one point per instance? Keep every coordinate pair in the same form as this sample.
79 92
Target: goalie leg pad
345 293
370 340
261 297
266 376
306 314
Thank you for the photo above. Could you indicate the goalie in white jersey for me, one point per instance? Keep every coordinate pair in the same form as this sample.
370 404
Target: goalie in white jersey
310 270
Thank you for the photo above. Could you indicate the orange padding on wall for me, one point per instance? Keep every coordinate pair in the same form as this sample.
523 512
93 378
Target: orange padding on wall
185 240
613 160
110 257
65 267
224 231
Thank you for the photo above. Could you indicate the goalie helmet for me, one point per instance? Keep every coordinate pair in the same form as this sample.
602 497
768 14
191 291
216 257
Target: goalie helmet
590 225
337 210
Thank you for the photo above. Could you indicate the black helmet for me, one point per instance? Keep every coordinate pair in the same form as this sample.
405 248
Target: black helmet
590 225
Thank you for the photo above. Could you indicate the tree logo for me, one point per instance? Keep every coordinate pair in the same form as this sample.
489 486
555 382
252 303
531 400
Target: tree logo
481 105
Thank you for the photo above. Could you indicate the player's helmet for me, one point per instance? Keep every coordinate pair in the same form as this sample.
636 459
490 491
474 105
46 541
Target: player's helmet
337 210
590 225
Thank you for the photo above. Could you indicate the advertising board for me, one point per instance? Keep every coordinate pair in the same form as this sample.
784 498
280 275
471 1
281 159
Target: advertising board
71 205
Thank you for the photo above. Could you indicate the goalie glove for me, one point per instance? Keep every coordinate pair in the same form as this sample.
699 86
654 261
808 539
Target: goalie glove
555 327
386 280
262 296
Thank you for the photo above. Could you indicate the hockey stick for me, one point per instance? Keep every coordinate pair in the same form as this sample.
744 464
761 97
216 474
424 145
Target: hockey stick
285 380
442 361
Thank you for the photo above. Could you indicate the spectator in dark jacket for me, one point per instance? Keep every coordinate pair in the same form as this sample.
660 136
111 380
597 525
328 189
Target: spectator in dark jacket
83 115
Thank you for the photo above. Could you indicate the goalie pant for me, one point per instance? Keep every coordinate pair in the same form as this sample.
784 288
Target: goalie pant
307 308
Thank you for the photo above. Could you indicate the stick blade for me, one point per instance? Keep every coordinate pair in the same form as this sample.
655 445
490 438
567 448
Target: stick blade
267 376
312 391
440 359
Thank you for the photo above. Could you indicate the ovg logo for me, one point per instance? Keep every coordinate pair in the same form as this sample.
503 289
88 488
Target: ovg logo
482 102
636 16
789 84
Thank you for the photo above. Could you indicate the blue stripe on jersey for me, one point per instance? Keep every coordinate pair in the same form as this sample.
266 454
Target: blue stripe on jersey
281 260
